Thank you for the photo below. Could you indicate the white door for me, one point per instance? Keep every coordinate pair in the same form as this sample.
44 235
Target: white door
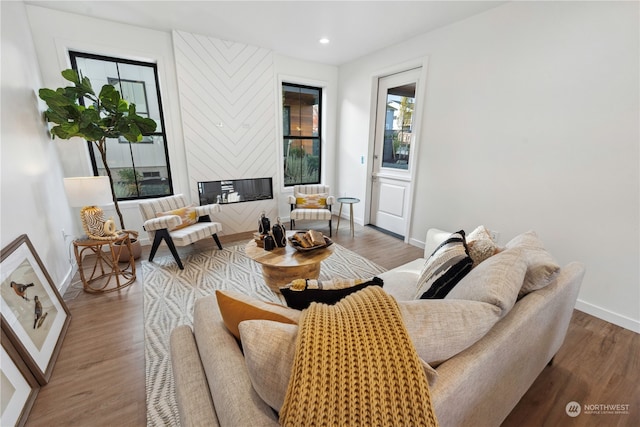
392 172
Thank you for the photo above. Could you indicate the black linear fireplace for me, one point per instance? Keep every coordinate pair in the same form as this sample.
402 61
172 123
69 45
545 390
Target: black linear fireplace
235 190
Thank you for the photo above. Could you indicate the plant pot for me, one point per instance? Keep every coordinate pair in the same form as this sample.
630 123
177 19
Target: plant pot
136 249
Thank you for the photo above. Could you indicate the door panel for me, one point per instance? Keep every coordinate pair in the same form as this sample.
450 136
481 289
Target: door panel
394 138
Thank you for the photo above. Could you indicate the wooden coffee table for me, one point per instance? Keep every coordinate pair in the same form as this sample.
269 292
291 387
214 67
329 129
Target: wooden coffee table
282 265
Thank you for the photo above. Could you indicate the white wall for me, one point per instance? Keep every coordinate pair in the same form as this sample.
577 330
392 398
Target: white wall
33 198
530 122
55 33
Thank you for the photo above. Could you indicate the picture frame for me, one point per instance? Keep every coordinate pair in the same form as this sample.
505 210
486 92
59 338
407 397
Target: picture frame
35 318
19 388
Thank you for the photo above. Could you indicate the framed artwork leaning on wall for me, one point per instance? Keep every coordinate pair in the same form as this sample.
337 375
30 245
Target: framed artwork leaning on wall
18 386
34 316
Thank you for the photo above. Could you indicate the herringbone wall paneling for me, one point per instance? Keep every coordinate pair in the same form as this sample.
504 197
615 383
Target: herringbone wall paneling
227 101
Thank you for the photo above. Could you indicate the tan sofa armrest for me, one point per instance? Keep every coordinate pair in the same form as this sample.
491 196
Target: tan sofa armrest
192 391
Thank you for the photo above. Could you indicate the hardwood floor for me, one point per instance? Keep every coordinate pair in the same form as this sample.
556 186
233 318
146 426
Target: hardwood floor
99 377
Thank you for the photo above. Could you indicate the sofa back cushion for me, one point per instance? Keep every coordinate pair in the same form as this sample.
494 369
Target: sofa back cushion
495 281
542 269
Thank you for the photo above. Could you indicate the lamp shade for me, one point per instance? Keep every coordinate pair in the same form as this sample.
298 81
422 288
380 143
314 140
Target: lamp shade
88 191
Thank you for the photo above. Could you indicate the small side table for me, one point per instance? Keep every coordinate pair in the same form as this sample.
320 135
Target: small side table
106 266
350 201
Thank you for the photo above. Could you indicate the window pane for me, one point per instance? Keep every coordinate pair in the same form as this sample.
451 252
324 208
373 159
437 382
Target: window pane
138 170
398 125
301 161
301 111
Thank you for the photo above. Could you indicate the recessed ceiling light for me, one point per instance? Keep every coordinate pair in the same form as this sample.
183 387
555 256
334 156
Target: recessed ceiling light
324 40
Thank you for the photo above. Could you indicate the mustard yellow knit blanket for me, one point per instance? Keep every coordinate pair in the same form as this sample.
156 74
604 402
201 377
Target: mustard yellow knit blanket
356 366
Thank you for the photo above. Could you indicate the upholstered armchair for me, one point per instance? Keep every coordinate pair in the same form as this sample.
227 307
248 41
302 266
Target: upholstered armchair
311 202
178 223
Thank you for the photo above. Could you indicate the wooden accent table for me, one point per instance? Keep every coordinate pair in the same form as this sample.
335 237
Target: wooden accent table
350 201
282 265
106 266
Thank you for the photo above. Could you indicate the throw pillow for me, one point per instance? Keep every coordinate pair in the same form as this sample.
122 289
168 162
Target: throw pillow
481 245
496 281
442 328
542 269
448 264
236 307
269 350
302 298
187 214
311 201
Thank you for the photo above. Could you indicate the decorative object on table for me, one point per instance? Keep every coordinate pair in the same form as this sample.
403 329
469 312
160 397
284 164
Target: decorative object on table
279 234
108 116
89 192
269 243
309 240
264 225
19 386
259 239
34 316
311 202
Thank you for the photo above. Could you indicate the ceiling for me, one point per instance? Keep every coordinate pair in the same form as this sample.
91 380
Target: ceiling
291 28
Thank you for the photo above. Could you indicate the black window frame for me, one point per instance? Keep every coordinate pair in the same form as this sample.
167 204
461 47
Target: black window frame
73 55
319 137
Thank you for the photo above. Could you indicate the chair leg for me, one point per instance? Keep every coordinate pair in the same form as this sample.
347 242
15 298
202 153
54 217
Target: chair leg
292 224
164 235
330 228
215 237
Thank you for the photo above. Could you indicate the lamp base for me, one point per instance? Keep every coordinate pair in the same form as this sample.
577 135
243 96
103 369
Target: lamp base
93 223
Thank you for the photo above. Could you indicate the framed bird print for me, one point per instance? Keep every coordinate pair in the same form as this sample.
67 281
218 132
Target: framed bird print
34 316
18 387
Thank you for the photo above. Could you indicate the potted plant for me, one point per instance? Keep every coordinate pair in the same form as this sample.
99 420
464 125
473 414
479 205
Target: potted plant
107 115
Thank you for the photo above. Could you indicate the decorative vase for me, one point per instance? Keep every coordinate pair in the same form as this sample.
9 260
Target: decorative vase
279 234
264 225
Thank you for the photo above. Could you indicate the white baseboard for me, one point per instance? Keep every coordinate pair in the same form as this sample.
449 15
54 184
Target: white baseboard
66 282
609 316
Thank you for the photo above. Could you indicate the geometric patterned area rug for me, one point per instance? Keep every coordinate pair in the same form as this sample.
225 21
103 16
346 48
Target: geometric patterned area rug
170 293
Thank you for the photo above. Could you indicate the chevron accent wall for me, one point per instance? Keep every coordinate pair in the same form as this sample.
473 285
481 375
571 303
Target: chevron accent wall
227 101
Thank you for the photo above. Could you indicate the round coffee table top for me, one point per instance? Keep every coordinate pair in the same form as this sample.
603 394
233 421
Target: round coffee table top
287 256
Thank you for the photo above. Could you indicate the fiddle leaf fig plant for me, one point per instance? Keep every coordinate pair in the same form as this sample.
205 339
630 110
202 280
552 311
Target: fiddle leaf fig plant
106 115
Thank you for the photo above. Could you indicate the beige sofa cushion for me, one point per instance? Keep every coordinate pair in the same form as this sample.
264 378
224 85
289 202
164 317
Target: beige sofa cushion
269 350
495 281
542 269
442 328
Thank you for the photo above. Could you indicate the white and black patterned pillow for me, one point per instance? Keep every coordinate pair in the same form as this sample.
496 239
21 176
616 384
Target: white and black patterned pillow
448 264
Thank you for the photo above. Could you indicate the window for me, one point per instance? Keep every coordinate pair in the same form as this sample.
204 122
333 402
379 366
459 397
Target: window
302 134
140 169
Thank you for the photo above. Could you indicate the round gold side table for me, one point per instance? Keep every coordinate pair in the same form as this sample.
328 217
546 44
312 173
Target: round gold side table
107 274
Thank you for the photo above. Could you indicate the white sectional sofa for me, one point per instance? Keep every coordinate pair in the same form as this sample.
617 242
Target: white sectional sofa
488 340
